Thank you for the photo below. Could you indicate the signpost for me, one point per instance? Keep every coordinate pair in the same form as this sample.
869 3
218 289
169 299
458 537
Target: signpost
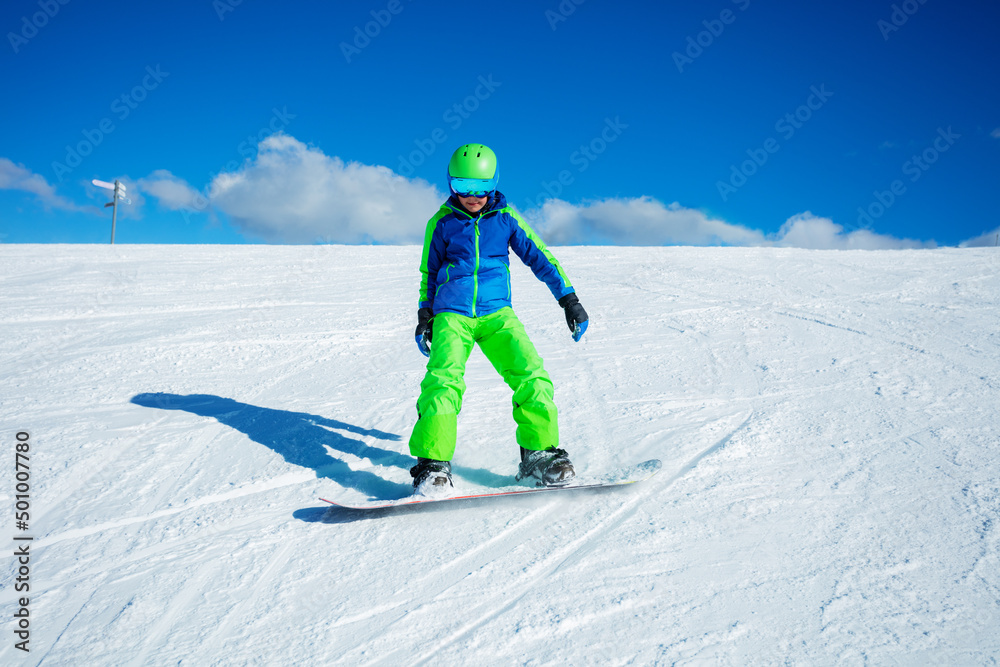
119 193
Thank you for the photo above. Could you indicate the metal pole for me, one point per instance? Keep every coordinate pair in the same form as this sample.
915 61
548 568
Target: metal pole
114 212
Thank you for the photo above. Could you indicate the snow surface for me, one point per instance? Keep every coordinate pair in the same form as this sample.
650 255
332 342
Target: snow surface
827 423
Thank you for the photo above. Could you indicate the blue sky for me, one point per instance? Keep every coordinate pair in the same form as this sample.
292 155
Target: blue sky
741 122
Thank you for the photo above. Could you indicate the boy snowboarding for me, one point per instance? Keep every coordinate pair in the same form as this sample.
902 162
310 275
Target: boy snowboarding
464 300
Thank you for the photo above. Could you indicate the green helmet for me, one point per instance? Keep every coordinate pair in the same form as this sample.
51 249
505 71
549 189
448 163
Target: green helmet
473 171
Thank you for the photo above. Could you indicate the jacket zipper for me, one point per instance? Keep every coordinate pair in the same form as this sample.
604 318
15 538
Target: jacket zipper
475 272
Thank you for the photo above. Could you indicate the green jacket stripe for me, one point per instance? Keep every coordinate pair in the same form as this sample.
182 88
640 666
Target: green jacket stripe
537 240
425 295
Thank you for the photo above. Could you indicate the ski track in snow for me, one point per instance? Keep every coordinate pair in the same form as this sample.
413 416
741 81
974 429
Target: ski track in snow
825 419
562 557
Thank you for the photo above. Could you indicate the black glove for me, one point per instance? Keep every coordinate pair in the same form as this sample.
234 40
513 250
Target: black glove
425 320
576 316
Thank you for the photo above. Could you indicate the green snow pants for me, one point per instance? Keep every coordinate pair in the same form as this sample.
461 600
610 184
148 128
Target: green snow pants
503 340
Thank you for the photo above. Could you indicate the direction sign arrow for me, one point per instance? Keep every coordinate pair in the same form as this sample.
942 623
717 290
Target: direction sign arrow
103 184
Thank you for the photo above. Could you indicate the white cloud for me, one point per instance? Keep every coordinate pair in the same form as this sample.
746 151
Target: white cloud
989 239
808 231
172 192
642 221
293 193
18 177
646 221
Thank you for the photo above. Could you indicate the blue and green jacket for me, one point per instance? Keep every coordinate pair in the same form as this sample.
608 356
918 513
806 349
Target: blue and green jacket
465 266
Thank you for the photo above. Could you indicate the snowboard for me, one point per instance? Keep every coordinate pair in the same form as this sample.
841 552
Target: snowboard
631 475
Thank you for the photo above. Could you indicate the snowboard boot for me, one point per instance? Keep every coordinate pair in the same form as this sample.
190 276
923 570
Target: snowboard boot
550 467
431 478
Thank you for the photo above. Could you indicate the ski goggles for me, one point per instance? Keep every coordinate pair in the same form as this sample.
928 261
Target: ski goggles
472 187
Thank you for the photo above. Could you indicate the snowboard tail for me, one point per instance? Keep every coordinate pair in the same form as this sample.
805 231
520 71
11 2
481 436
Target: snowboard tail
631 475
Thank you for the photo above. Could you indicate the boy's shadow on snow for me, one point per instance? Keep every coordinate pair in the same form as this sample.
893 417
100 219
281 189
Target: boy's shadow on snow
301 438
306 440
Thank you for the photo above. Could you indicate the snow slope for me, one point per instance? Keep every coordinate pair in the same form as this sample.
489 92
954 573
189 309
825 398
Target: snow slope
827 423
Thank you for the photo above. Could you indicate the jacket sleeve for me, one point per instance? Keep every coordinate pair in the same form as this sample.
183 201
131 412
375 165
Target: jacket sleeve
431 259
536 255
